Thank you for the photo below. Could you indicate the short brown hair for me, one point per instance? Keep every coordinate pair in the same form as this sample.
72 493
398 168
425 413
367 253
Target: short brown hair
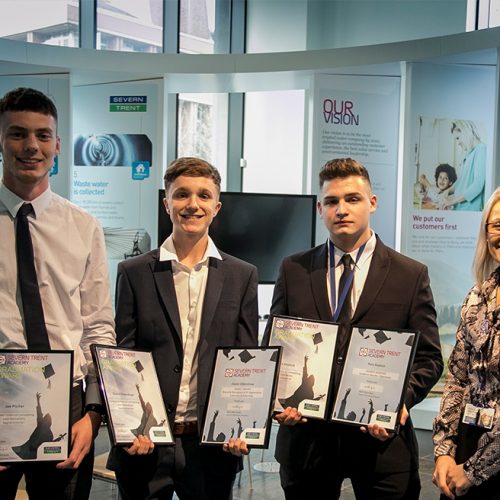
190 167
27 99
342 167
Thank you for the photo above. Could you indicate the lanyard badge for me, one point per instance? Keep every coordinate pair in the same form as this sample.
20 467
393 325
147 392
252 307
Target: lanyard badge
480 417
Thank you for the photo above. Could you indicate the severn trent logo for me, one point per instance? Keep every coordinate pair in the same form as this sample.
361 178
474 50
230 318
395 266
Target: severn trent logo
128 103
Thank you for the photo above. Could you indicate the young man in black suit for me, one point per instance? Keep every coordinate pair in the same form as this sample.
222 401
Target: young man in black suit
182 301
389 290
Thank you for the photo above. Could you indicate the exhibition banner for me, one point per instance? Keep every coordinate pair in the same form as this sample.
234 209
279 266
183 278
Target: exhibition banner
358 117
117 167
447 178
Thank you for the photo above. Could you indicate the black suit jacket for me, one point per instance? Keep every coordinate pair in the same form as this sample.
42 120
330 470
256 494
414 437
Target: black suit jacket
396 295
147 317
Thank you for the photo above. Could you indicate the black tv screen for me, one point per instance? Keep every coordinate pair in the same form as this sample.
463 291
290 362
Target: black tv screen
256 227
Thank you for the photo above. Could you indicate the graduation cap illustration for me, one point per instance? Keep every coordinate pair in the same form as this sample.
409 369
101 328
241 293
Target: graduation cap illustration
48 371
381 337
274 356
226 353
317 339
245 356
409 341
139 368
362 331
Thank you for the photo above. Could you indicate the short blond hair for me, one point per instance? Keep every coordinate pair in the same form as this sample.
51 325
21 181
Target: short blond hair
484 263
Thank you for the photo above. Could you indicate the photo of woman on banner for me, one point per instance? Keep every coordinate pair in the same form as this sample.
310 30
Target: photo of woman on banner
467 429
468 191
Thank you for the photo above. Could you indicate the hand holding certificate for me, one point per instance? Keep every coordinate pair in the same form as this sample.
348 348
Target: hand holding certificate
373 383
131 391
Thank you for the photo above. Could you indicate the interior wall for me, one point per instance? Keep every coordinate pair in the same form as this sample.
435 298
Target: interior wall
369 22
276 25
287 25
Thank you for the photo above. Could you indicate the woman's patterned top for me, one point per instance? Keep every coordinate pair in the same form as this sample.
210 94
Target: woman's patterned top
474 377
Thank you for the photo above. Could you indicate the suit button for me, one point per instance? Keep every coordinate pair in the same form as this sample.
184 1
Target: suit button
340 360
177 368
169 409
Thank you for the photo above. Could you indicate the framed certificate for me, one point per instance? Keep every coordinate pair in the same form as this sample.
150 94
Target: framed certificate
35 394
131 391
241 395
306 365
373 383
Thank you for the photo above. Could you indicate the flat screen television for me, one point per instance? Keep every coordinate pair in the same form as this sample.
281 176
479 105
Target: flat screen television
256 227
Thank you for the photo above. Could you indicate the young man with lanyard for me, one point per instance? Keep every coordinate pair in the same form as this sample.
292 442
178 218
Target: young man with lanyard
379 287
68 306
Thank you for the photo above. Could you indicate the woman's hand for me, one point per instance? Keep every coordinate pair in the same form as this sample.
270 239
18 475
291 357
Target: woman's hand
458 482
450 477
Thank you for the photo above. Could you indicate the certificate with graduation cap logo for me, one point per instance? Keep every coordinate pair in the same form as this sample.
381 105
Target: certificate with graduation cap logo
376 371
306 366
131 391
241 396
35 402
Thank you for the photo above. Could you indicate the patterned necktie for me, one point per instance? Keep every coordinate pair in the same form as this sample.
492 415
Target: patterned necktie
345 312
34 320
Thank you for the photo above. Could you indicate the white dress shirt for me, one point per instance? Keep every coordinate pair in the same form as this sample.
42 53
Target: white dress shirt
72 274
190 286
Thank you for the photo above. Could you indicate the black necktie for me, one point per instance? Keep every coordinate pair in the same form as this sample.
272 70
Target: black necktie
345 312
34 321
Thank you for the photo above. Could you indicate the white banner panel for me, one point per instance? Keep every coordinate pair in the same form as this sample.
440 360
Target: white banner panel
447 178
358 117
116 163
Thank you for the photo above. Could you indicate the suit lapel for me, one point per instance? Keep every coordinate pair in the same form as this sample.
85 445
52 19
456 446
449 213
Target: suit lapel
377 274
164 280
213 291
318 282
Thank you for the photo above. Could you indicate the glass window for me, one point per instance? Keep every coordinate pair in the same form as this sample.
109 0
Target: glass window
51 22
202 129
200 24
274 141
130 25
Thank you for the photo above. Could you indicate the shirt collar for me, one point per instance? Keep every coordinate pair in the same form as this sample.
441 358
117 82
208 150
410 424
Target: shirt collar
168 252
367 252
13 203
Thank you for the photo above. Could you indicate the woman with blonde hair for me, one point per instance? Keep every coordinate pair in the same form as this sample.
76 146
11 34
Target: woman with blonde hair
468 191
467 429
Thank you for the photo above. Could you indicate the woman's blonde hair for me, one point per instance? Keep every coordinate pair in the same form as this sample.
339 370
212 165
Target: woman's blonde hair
469 132
484 263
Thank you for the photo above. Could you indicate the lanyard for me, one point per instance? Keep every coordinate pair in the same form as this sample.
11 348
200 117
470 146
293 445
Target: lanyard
337 307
